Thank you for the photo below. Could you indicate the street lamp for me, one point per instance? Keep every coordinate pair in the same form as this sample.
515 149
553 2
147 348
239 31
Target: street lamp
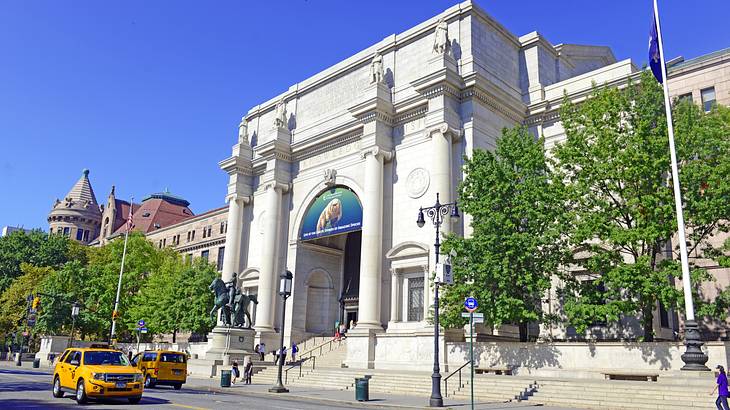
74 314
285 280
437 214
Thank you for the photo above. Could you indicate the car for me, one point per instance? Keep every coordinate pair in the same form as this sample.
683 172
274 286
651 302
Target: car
162 367
96 372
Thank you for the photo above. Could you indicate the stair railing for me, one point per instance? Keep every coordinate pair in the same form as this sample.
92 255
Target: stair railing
321 348
298 364
457 372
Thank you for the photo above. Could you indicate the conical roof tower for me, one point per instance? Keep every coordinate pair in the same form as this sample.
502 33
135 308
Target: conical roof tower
77 215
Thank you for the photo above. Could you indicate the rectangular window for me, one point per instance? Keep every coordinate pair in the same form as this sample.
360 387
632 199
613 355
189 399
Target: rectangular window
192 236
685 97
160 244
663 316
210 230
86 235
79 234
205 232
67 231
189 258
221 252
164 242
708 98
188 236
205 255
415 299
222 226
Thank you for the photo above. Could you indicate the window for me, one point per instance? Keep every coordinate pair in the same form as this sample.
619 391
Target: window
188 236
192 237
74 355
106 358
223 227
415 299
210 230
79 234
685 97
205 232
172 358
663 315
221 252
205 255
189 258
160 245
86 235
149 357
164 242
708 98
67 231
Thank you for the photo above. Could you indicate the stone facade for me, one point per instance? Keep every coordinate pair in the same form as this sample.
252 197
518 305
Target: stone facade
78 216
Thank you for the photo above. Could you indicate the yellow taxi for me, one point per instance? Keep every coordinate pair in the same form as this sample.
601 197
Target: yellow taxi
163 367
96 372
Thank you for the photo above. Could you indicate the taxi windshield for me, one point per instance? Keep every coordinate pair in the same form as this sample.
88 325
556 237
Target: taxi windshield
172 358
110 358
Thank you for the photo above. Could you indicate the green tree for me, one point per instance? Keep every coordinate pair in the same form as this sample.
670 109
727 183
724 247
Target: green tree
35 248
63 287
141 261
517 242
615 162
176 297
13 301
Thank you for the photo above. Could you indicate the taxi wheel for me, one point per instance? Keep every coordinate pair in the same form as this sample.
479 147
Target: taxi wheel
81 397
178 386
57 392
134 400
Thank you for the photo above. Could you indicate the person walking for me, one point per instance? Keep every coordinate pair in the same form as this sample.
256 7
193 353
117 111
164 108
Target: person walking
235 371
262 350
283 355
721 388
343 330
247 370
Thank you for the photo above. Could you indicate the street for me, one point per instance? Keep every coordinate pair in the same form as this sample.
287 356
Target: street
30 389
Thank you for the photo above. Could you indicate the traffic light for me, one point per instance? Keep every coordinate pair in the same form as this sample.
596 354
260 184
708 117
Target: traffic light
115 315
36 302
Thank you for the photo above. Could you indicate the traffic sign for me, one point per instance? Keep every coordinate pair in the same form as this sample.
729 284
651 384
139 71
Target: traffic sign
471 304
141 323
142 330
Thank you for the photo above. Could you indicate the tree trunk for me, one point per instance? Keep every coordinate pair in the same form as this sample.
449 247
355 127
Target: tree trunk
523 331
174 335
648 321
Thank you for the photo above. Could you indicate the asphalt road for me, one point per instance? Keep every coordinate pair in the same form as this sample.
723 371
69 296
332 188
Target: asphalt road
28 389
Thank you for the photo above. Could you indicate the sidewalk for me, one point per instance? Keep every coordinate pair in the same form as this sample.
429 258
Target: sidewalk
347 397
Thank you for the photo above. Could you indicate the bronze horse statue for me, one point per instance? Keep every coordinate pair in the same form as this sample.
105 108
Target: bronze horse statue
222 301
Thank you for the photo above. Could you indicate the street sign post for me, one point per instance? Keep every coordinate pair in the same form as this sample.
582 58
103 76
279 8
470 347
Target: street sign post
471 305
141 328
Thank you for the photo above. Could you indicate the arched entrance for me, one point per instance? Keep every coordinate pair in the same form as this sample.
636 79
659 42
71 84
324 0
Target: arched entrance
329 250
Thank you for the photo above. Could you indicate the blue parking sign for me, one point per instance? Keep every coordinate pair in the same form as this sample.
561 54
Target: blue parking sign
141 323
471 304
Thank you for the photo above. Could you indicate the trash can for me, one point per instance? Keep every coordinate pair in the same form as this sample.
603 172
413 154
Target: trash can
18 360
362 385
36 363
225 378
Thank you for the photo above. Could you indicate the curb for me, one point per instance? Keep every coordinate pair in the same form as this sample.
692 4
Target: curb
298 398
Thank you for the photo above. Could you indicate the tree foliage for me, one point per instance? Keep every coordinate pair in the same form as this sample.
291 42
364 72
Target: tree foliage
517 242
616 166
14 300
34 248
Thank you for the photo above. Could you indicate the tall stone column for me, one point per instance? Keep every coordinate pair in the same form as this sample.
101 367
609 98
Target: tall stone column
232 255
441 165
372 240
268 276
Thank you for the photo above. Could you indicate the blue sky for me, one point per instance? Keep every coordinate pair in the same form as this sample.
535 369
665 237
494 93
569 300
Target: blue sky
148 94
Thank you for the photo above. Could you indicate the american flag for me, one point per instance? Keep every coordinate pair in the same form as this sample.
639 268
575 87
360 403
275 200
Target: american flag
129 219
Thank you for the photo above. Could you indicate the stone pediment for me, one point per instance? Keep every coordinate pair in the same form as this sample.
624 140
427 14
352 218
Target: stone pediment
407 250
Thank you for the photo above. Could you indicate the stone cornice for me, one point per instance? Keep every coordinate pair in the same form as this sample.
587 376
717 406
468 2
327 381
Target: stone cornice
476 86
274 148
302 151
201 245
236 165
410 115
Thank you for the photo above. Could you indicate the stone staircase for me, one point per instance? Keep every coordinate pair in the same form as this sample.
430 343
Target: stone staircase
677 393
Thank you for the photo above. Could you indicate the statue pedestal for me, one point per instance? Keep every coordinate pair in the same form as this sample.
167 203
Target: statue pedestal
227 344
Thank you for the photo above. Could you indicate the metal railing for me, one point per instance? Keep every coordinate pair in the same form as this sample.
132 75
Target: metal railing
457 371
326 345
299 364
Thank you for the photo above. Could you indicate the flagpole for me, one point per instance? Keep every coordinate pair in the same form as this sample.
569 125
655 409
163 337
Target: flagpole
121 273
693 357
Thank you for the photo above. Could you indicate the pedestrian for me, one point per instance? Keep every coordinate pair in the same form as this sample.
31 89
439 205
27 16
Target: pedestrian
235 371
283 355
343 330
247 370
256 349
294 351
721 388
276 356
262 350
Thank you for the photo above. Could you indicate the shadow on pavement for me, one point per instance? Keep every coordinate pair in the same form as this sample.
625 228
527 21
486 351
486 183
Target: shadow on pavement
23 372
34 404
23 386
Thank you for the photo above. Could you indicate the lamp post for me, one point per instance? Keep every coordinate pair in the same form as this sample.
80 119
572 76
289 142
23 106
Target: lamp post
74 314
437 214
285 280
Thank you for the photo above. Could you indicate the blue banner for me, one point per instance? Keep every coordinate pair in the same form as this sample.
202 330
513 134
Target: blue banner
334 211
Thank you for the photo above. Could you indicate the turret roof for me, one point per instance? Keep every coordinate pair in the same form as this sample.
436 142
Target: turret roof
82 190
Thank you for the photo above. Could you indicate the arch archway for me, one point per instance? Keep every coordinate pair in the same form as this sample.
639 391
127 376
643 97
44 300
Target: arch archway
320 291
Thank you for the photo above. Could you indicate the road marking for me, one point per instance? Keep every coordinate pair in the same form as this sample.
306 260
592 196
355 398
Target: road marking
185 406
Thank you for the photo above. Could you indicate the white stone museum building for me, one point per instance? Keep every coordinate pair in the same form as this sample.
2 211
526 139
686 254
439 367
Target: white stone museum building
327 178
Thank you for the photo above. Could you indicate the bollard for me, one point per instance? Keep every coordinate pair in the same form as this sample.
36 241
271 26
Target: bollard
225 378
36 363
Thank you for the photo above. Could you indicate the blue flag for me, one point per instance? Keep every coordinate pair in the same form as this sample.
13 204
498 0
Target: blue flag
655 61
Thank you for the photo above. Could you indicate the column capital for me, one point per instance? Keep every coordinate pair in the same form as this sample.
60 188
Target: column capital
280 186
376 152
246 199
446 130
